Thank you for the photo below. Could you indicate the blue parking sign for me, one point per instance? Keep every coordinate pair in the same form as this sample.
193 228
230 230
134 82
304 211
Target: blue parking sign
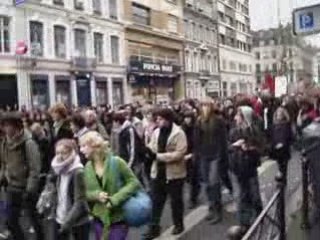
18 2
306 20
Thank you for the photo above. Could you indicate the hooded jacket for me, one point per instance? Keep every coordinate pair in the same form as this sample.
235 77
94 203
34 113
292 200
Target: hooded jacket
20 163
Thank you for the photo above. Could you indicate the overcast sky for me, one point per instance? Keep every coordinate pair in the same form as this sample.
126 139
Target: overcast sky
264 14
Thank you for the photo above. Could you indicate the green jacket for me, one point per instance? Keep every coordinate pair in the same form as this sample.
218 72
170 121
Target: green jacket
111 212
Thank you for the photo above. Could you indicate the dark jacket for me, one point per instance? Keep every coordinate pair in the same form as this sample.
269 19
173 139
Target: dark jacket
211 139
131 146
44 147
79 211
282 134
242 163
64 131
20 163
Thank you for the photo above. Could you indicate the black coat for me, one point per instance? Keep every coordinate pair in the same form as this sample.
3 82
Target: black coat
63 132
242 163
281 134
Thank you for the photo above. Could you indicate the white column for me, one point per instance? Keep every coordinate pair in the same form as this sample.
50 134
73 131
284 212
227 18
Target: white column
110 91
93 91
125 90
52 89
74 94
23 86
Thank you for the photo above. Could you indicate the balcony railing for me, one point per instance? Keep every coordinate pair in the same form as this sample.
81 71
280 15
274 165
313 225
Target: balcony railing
84 63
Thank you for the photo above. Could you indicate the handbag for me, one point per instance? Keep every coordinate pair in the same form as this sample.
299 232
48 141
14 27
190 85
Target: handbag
47 201
137 209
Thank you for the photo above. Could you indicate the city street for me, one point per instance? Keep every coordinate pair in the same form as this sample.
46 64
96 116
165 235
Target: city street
198 228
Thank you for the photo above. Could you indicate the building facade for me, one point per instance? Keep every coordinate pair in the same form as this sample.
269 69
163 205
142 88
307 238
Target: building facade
75 53
154 47
235 42
201 54
316 68
279 52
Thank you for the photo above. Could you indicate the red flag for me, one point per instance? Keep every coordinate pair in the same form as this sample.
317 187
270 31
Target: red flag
269 83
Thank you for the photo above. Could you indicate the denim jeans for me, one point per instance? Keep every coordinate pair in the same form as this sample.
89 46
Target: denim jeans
247 195
211 178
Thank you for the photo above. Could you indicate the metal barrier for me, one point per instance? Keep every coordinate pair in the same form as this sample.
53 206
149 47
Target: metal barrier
310 181
270 224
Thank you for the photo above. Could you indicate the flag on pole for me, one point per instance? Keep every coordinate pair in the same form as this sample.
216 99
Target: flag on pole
18 2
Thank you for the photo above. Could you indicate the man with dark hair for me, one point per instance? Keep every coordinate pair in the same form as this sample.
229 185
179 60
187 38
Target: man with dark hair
167 147
79 129
20 166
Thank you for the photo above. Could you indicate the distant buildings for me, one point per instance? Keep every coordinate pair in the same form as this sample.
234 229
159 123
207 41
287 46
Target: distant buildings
279 52
235 42
76 53
201 49
154 49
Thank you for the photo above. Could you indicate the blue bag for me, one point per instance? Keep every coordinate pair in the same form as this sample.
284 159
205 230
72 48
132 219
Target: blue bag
138 208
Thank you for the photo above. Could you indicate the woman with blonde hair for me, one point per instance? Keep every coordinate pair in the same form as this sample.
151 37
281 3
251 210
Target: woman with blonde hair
211 148
104 194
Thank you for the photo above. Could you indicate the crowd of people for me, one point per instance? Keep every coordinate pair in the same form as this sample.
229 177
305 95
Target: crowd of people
209 145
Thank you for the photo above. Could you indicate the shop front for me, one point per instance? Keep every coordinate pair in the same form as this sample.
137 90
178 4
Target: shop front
153 82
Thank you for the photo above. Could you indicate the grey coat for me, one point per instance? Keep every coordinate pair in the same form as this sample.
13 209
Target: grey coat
20 163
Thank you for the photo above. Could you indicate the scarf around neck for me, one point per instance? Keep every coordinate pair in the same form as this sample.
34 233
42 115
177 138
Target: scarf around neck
68 165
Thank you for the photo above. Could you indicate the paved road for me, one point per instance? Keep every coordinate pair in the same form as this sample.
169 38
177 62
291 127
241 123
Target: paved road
204 231
197 228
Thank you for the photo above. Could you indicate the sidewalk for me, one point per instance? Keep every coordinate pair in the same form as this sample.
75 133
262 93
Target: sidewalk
296 233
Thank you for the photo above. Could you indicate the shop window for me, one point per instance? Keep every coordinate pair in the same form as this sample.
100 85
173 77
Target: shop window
117 92
60 41
233 89
224 89
36 38
63 92
4 35
102 92
39 91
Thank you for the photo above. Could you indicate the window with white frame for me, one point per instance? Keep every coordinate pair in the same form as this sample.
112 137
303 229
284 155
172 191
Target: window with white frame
186 28
115 50
113 9
60 41
96 5
36 38
98 46
80 40
195 62
4 34
140 14
173 24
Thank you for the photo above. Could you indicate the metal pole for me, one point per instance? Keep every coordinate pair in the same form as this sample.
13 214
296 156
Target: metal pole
281 205
305 195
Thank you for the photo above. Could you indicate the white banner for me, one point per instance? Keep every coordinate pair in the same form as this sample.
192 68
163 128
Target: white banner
281 86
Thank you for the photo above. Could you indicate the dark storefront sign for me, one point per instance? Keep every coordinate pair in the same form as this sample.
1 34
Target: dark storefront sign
139 69
139 66
39 91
